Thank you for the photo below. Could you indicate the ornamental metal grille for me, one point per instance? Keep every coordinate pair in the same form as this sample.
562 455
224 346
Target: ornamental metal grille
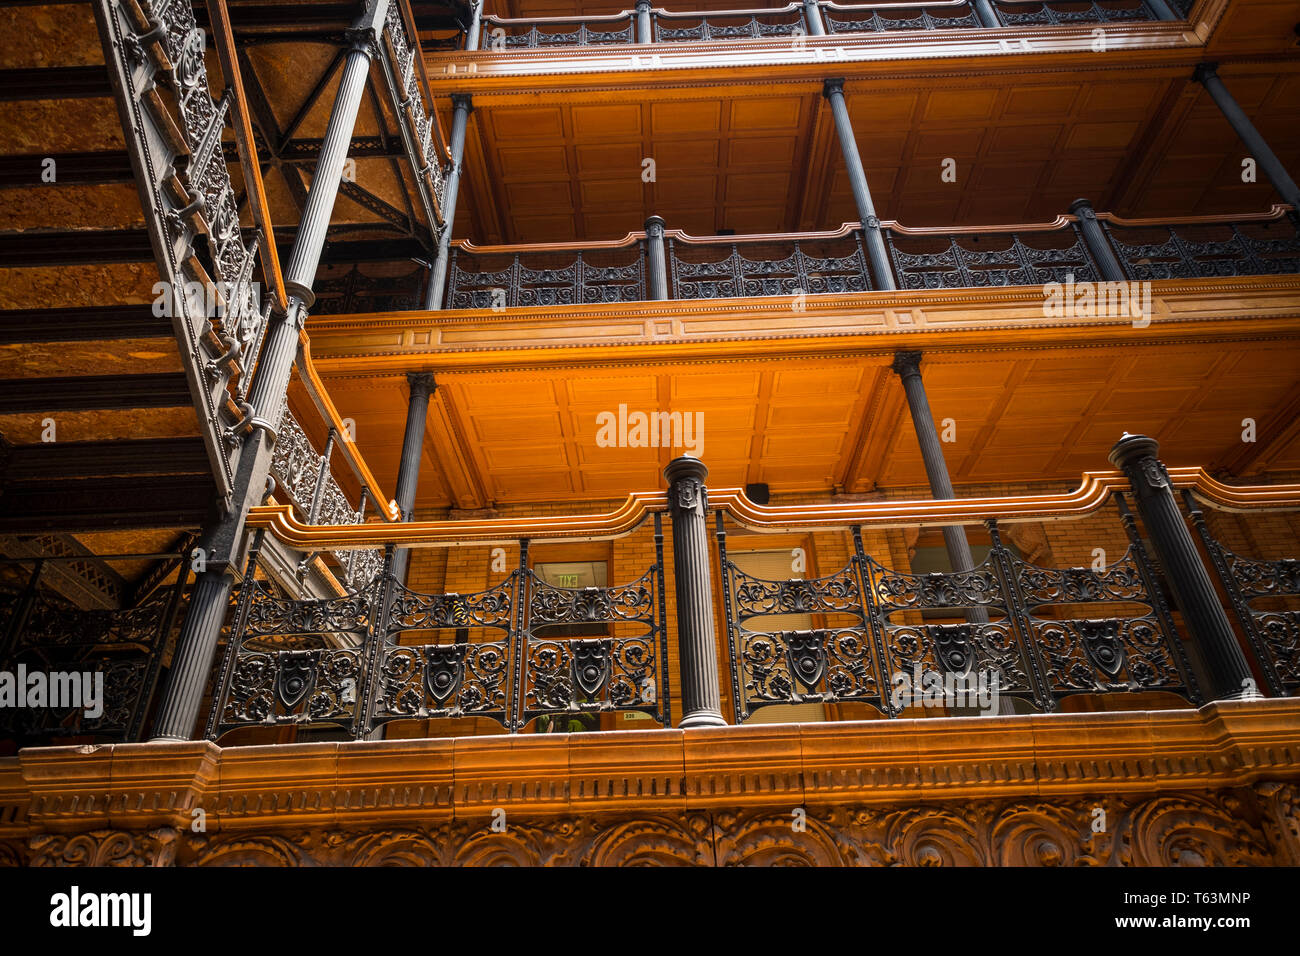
954 262
1052 14
766 269
784 24
1010 622
384 652
1203 251
54 638
514 36
352 291
500 282
1264 597
875 23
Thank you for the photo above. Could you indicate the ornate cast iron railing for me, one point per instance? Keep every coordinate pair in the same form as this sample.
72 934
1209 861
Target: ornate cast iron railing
305 477
1024 642
155 55
1265 598
1190 249
381 653
790 264
527 278
407 82
351 291
791 22
123 648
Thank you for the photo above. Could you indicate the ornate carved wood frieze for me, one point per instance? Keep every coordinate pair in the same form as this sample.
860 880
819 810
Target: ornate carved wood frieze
1215 787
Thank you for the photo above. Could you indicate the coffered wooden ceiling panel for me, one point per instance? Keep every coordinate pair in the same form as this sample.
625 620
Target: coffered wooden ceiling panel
817 425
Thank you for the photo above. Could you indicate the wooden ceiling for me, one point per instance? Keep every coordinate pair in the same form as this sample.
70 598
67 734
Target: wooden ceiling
818 425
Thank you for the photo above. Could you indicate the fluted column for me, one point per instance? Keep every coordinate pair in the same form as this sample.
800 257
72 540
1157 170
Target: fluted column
1094 237
408 471
1229 674
833 90
688 504
813 17
475 24
644 28
656 260
987 16
462 105
196 649
1207 75
908 367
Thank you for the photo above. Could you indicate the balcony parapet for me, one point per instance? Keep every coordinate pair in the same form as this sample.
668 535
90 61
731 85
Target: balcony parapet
1213 786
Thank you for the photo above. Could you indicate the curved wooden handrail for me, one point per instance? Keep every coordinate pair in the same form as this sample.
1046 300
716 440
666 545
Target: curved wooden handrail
1093 492
1277 212
320 397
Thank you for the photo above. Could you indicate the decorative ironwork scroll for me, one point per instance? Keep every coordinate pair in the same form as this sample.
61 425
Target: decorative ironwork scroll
875 23
1001 629
1063 12
297 468
798 272
625 669
384 652
173 126
575 282
960 266
354 292
1232 249
421 138
761 24
1263 596
98 667
499 34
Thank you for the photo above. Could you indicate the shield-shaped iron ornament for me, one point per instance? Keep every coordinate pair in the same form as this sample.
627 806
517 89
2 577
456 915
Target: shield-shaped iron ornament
1102 645
953 648
444 669
296 677
590 665
806 656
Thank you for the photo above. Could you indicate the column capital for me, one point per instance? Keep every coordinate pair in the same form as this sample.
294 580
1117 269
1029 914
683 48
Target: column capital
642 6
906 364
686 489
463 101
1205 71
421 383
832 86
654 227
1083 209
1136 456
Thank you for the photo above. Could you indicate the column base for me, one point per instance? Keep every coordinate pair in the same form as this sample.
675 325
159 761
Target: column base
702 718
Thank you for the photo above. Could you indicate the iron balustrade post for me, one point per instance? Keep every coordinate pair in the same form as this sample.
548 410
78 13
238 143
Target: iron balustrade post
907 365
1161 10
986 13
1207 75
197 644
463 105
475 26
1229 675
408 471
688 504
1094 237
644 28
318 493
833 90
813 17
656 260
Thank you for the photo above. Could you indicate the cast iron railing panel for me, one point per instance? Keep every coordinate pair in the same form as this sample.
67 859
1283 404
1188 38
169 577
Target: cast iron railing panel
497 282
1192 251
1252 585
124 646
1062 12
960 262
1016 636
892 20
748 273
352 291
377 654
783 23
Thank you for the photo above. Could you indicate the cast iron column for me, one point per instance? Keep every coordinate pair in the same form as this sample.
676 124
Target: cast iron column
813 17
688 504
908 367
462 104
1094 237
475 24
1162 10
196 646
656 260
1206 74
408 471
644 31
1229 674
988 17
833 90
